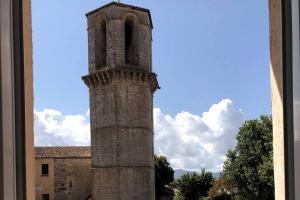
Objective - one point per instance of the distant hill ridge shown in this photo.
(179, 172)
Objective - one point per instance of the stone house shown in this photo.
(63, 173)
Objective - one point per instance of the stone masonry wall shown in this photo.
(115, 22)
(121, 105)
(44, 184)
(122, 140)
(72, 179)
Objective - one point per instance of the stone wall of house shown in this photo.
(72, 179)
(44, 184)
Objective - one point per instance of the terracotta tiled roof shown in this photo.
(63, 152)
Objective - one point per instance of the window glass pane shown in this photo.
(45, 196)
(297, 133)
(297, 128)
(45, 170)
(296, 94)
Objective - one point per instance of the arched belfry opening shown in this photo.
(130, 42)
(101, 47)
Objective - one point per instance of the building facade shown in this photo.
(63, 173)
(121, 86)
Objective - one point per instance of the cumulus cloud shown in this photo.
(189, 141)
(192, 141)
(52, 128)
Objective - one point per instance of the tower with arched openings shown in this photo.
(121, 86)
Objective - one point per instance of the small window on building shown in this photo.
(45, 197)
(45, 170)
(70, 184)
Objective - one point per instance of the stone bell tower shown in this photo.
(121, 85)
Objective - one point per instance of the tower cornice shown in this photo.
(108, 75)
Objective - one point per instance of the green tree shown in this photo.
(193, 186)
(178, 195)
(164, 175)
(221, 189)
(249, 167)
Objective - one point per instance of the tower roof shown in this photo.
(123, 6)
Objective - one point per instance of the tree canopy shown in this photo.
(164, 175)
(221, 189)
(193, 186)
(249, 167)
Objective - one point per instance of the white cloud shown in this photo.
(52, 128)
(193, 142)
(87, 113)
(189, 141)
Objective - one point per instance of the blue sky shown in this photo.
(203, 51)
(212, 61)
